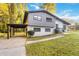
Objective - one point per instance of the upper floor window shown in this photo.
(39, 18)
(35, 17)
(48, 19)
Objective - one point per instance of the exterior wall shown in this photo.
(31, 21)
(42, 32)
(61, 24)
(43, 24)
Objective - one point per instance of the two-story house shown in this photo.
(44, 23)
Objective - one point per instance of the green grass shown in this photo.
(66, 46)
(2, 35)
(17, 34)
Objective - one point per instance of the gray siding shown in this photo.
(31, 21)
(61, 25)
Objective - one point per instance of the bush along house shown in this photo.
(44, 23)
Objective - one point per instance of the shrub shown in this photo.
(30, 33)
(56, 31)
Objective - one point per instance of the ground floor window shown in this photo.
(37, 29)
(47, 29)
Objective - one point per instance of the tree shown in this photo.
(11, 12)
(51, 7)
(4, 15)
(20, 12)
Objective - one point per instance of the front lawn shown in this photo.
(66, 46)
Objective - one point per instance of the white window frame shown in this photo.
(35, 17)
(38, 18)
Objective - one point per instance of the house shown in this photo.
(73, 27)
(44, 23)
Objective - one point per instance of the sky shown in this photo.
(63, 10)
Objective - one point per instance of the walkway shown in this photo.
(12, 47)
(16, 46)
(42, 40)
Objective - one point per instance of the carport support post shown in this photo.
(13, 31)
(26, 31)
(10, 32)
(7, 31)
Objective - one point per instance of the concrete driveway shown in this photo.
(12, 47)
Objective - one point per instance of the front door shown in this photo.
(56, 26)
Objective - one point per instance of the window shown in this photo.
(47, 30)
(37, 18)
(48, 19)
(37, 29)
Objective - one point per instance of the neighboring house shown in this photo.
(73, 27)
(44, 23)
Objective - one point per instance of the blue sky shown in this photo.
(63, 10)
(73, 8)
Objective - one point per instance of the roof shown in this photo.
(51, 15)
